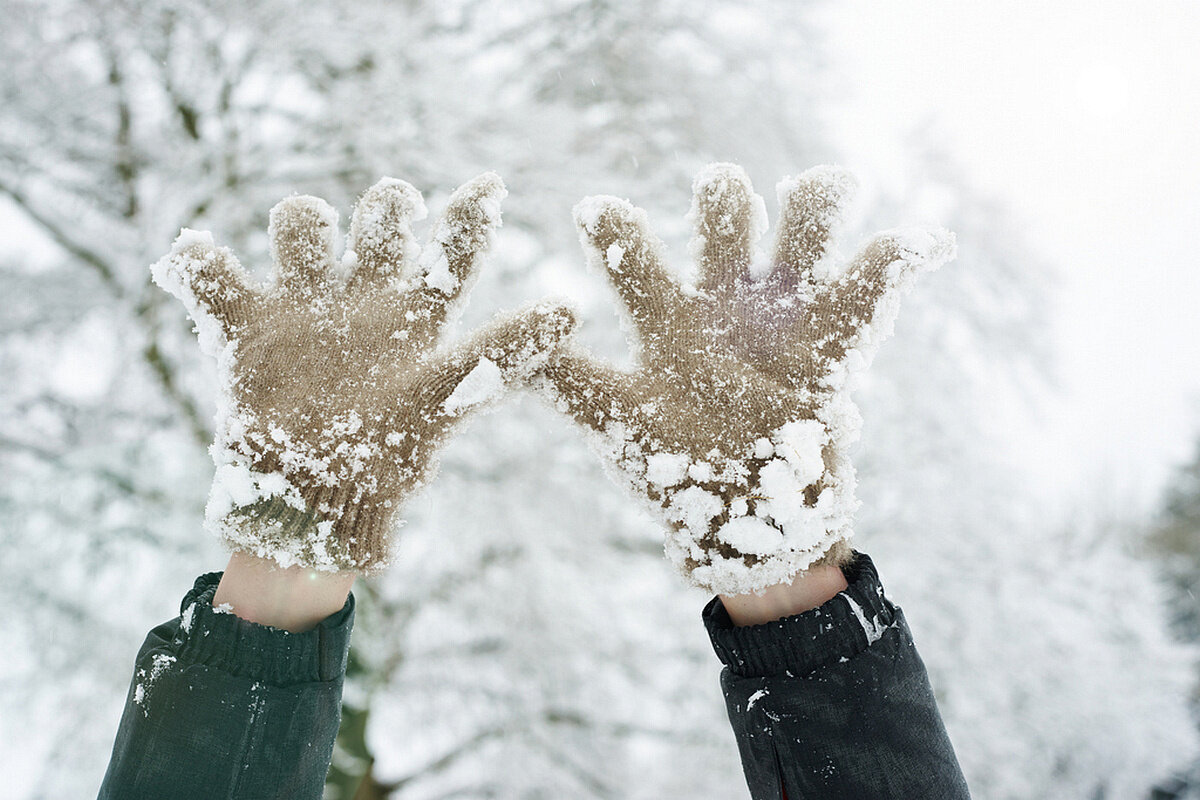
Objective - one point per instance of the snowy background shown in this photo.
(1024, 465)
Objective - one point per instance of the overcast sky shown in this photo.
(1086, 117)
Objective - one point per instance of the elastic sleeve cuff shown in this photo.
(276, 657)
(842, 627)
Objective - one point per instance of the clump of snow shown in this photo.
(801, 442)
(751, 535)
(694, 508)
(436, 269)
(187, 618)
(613, 256)
(236, 485)
(666, 469)
(873, 628)
(147, 679)
(482, 384)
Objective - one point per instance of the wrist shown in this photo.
(808, 590)
(294, 599)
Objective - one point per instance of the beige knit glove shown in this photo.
(335, 395)
(736, 423)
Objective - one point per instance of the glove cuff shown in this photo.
(354, 536)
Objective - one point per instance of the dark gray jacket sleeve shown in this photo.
(835, 702)
(224, 708)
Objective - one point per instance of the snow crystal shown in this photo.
(482, 384)
(763, 448)
(666, 469)
(754, 698)
(751, 535)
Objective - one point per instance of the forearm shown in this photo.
(808, 590)
(293, 599)
(835, 702)
(223, 707)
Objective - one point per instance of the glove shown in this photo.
(736, 423)
(335, 397)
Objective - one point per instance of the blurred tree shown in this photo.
(1175, 542)
(530, 641)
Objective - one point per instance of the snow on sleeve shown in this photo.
(482, 384)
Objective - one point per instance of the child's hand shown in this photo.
(336, 397)
(737, 421)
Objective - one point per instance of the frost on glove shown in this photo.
(737, 421)
(335, 396)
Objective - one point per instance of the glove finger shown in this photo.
(381, 239)
(596, 394)
(812, 206)
(616, 234)
(860, 306)
(209, 280)
(302, 232)
(451, 259)
(510, 348)
(729, 219)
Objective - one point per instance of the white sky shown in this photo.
(1085, 116)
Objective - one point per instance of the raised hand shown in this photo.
(736, 423)
(335, 394)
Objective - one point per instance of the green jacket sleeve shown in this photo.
(835, 703)
(223, 708)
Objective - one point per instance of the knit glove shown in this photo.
(335, 396)
(736, 422)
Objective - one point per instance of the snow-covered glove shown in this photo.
(335, 396)
(736, 423)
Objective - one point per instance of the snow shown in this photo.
(873, 628)
(751, 535)
(483, 384)
(436, 268)
(837, 185)
(695, 508)
(146, 680)
(720, 182)
(666, 469)
(613, 256)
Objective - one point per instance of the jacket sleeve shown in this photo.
(223, 708)
(835, 702)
